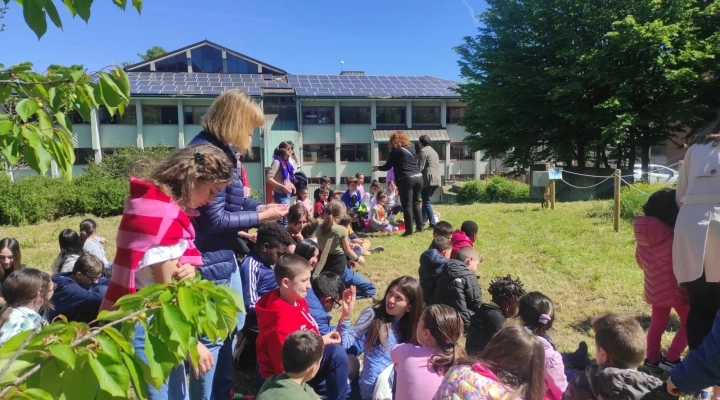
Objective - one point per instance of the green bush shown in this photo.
(631, 202)
(119, 163)
(496, 190)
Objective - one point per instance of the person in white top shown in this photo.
(92, 243)
(70, 249)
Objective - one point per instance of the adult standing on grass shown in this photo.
(696, 254)
(228, 125)
(282, 176)
(429, 164)
(403, 161)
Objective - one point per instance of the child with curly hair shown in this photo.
(505, 293)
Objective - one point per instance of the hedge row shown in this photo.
(632, 200)
(495, 190)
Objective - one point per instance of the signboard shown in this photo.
(555, 173)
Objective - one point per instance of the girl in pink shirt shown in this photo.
(420, 369)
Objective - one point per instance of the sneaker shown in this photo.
(650, 364)
(378, 249)
(667, 365)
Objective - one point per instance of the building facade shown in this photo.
(340, 124)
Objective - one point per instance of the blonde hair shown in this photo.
(231, 118)
(177, 175)
(334, 209)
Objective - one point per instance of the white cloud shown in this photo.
(472, 13)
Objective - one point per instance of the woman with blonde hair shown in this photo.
(403, 161)
(229, 125)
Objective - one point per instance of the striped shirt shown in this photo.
(257, 279)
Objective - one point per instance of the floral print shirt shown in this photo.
(465, 382)
(21, 319)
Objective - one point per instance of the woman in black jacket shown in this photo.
(403, 161)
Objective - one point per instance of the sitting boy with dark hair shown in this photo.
(352, 196)
(79, 293)
(458, 287)
(505, 293)
(301, 356)
(431, 263)
(444, 229)
(283, 311)
(464, 237)
(620, 343)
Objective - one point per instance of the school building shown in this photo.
(340, 124)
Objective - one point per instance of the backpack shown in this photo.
(301, 181)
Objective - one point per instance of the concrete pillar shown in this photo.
(373, 114)
(447, 161)
(188, 54)
(54, 171)
(443, 114)
(477, 156)
(374, 158)
(298, 108)
(95, 133)
(338, 142)
(139, 121)
(181, 124)
(408, 114)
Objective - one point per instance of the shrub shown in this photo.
(496, 190)
(631, 202)
(117, 164)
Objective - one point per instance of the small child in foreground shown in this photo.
(301, 355)
(620, 343)
(505, 293)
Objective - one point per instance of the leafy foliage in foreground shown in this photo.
(71, 360)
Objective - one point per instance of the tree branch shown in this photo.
(18, 351)
(87, 336)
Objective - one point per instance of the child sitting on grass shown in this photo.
(444, 229)
(458, 287)
(320, 203)
(464, 237)
(302, 198)
(78, 294)
(505, 294)
(301, 355)
(431, 264)
(620, 344)
(378, 217)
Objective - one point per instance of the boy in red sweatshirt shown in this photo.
(464, 237)
(283, 311)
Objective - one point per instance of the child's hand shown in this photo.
(205, 362)
(297, 236)
(103, 241)
(273, 212)
(331, 338)
(348, 302)
(672, 389)
(361, 260)
(184, 271)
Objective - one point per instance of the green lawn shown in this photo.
(578, 261)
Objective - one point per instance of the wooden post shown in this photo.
(552, 194)
(617, 201)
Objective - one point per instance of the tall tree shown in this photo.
(155, 51)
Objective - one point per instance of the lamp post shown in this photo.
(341, 65)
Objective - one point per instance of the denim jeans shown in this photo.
(217, 383)
(282, 198)
(427, 210)
(364, 287)
(176, 387)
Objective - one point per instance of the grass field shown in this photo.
(578, 261)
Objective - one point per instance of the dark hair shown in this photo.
(443, 228)
(321, 191)
(351, 213)
(309, 229)
(274, 235)
(289, 266)
(21, 287)
(14, 246)
(425, 140)
(468, 252)
(306, 248)
(622, 338)
(506, 288)
(470, 228)
(532, 308)
(328, 283)
(70, 244)
(345, 220)
(351, 179)
(359, 174)
(709, 134)
(333, 209)
(325, 179)
(88, 264)
(441, 243)
(295, 213)
(380, 325)
(301, 350)
(375, 184)
(662, 206)
(381, 195)
(446, 327)
(87, 228)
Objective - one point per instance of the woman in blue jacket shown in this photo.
(700, 369)
(229, 125)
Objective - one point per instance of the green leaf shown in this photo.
(53, 13)
(132, 301)
(26, 108)
(79, 382)
(36, 394)
(5, 127)
(82, 8)
(109, 91)
(120, 3)
(37, 156)
(178, 328)
(115, 315)
(138, 373)
(161, 360)
(10, 148)
(17, 368)
(77, 73)
(108, 377)
(69, 4)
(188, 300)
(121, 341)
(63, 353)
(54, 99)
(30, 133)
(137, 4)
(93, 92)
(122, 81)
(64, 121)
(46, 123)
(34, 14)
(50, 377)
(109, 348)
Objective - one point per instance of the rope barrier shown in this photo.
(596, 176)
(634, 188)
(588, 187)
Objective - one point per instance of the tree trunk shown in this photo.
(645, 157)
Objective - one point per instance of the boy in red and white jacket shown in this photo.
(283, 311)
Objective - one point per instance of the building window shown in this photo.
(354, 152)
(460, 151)
(164, 115)
(316, 181)
(355, 115)
(318, 115)
(454, 114)
(177, 63)
(391, 115)
(83, 156)
(658, 150)
(129, 117)
(426, 115)
(255, 158)
(75, 118)
(319, 153)
(237, 65)
(383, 151)
(439, 147)
(206, 59)
(192, 115)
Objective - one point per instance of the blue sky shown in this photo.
(380, 37)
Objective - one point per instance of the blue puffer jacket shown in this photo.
(219, 222)
(431, 263)
(700, 367)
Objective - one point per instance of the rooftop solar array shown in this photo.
(200, 84)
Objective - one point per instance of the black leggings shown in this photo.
(704, 304)
(410, 189)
